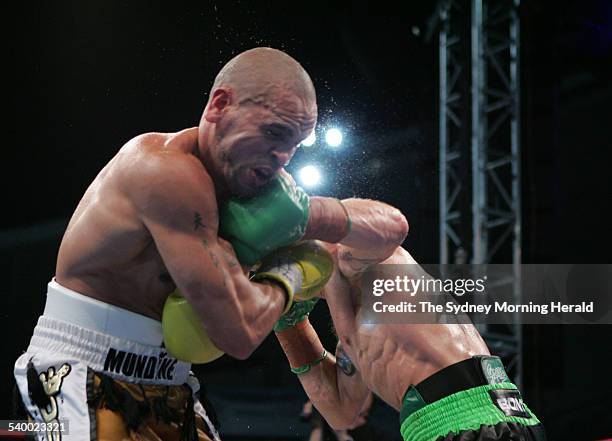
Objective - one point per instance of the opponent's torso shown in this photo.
(106, 252)
(390, 357)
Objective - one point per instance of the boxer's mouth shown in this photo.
(262, 175)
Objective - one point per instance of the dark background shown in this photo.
(85, 77)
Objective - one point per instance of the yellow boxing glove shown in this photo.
(302, 269)
(184, 335)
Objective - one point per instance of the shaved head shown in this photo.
(261, 106)
(257, 75)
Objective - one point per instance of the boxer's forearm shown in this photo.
(328, 220)
(333, 396)
(300, 343)
(261, 305)
(361, 224)
(337, 397)
(376, 227)
(240, 314)
(377, 230)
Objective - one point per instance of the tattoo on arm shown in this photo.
(230, 260)
(357, 264)
(214, 258)
(197, 221)
(344, 362)
(348, 256)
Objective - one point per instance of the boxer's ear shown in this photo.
(222, 98)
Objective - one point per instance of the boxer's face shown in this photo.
(256, 138)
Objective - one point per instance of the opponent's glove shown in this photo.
(184, 335)
(298, 312)
(280, 216)
(257, 226)
(302, 270)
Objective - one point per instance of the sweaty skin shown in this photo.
(148, 222)
(388, 357)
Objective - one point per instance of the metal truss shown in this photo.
(494, 147)
(454, 129)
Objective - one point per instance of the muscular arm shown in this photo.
(176, 201)
(377, 229)
(334, 386)
(368, 231)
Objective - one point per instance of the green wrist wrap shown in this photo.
(297, 313)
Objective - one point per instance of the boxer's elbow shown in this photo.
(246, 346)
(337, 416)
(237, 342)
(242, 352)
(339, 411)
(343, 419)
(397, 229)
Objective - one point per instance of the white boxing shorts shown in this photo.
(96, 371)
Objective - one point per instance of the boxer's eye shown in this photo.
(273, 134)
(276, 131)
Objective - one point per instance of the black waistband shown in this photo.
(477, 371)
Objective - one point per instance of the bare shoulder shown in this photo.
(161, 168)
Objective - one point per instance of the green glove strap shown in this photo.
(297, 313)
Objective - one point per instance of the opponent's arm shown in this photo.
(376, 230)
(285, 214)
(177, 204)
(332, 384)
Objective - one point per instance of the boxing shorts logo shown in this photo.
(493, 370)
(509, 401)
(140, 366)
(52, 381)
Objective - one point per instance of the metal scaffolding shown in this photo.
(454, 133)
(494, 149)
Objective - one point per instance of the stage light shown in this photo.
(333, 137)
(310, 176)
(310, 140)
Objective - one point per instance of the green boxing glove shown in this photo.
(257, 226)
(297, 313)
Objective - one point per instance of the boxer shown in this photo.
(147, 226)
(441, 377)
